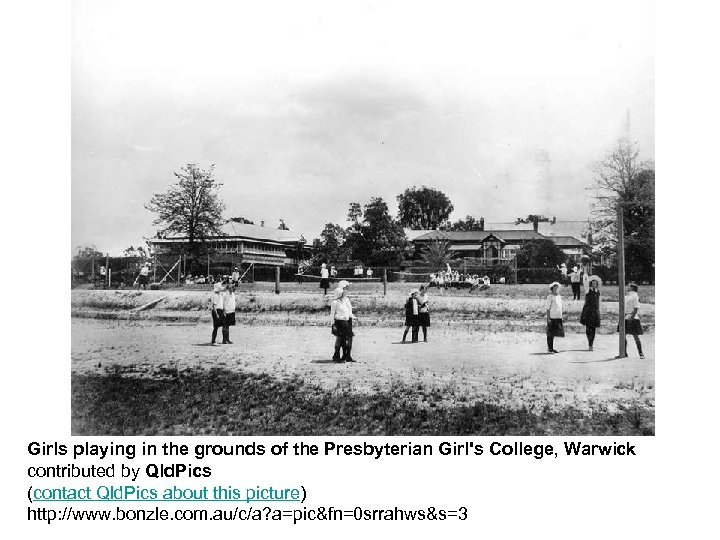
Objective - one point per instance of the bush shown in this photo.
(538, 275)
(502, 270)
(606, 273)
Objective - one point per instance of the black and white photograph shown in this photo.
(362, 219)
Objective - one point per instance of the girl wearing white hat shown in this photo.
(553, 307)
(590, 316)
(633, 327)
(216, 306)
(324, 277)
(341, 317)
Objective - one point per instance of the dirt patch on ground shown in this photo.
(458, 367)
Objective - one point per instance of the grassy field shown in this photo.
(523, 303)
(395, 289)
(217, 401)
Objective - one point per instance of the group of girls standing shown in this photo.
(417, 314)
(222, 306)
(590, 315)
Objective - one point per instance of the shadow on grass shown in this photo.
(596, 361)
(223, 402)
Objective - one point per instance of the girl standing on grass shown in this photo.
(424, 312)
(590, 316)
(632, 319)
(216, 305)
(228, 313)
(553, 308)
(412, 313)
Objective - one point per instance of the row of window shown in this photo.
(236, 247)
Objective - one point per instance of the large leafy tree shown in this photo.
(331, 246)
(469, 223)
(377, 239)
(190, 207)
(423, 208)
(88, 252)
(623, 180)
(135, 252)
(540, 253)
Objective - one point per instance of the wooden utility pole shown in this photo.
(621, 281)
(384, 281)
(277, 280)
(179, 268)
(107, 268)
(154, 267)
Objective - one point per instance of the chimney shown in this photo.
(482, 223)
(262, 222)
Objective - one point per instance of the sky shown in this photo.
(304, 107)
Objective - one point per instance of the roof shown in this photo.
(574, 228)
(567, 241)
(412, 234)
(506, 235)
(246, 230)
(233, 229)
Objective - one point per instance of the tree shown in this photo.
(437, 254)
(378, 239)
(624, 181)
(87, 259)
(423, 208)
(135, 252)
(190, 207)
(330, 247)
(468, 224)
(354, 214)
(540, 253)
(88, 252)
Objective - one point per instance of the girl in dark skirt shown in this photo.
(216, 305)
(590, 316)
(412, 316)
(228, 313)
(324, 278)
(554, 316)
(341, 317)
(633, 327)
(424, 312)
